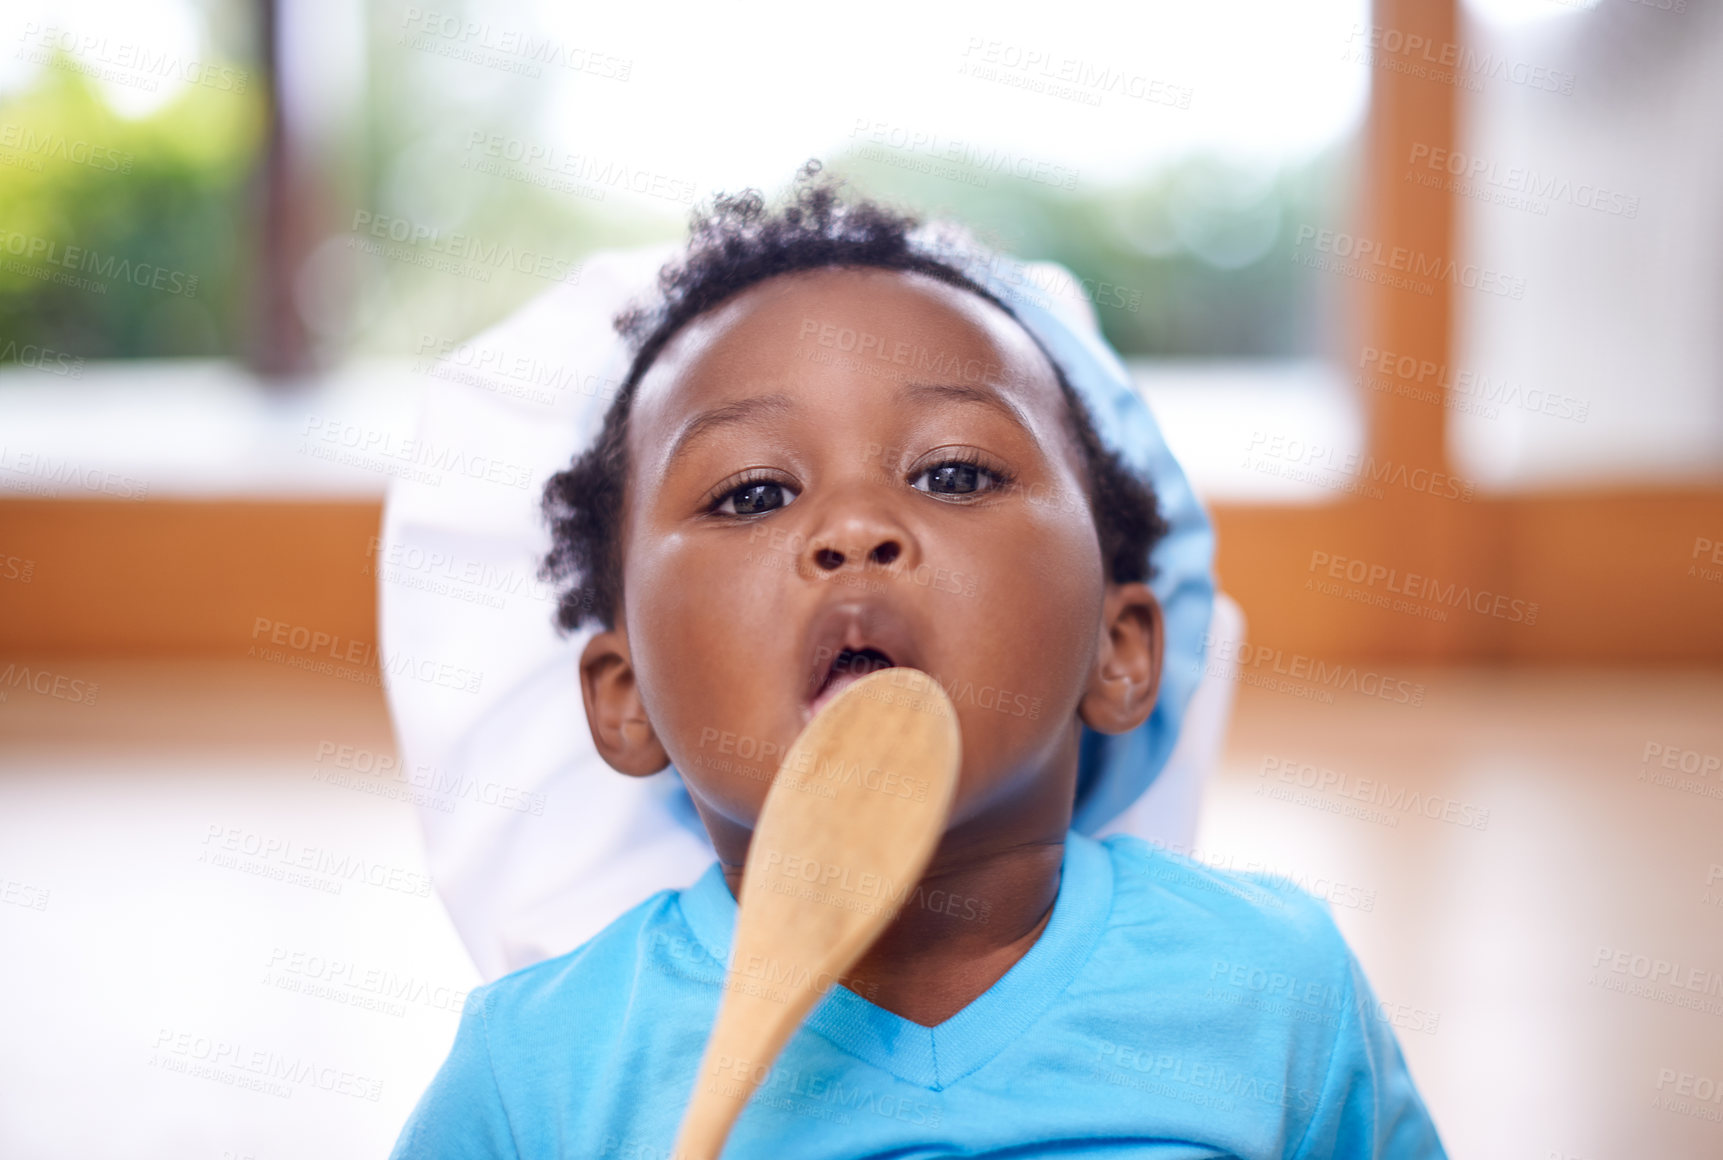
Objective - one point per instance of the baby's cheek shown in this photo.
(1005, 757)
(1020, 667)
(692, 609)
(1038, 610)
(704, 659)
(727, 741)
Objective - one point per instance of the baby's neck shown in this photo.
(986, 897)
(976, 911)
(967, 923)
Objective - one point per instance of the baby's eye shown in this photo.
(956, 478)
(752, 499)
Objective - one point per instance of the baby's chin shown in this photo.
(1011, 784)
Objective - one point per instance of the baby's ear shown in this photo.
(1127, 673)
(614, 712)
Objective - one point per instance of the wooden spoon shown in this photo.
(849, 824)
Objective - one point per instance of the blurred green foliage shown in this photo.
(105, 221)
(414, 160)
(1190, 260)
(1194, 260)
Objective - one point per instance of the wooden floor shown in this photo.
(1538, 906)
(1496, 945)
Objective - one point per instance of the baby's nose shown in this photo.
(882, 551)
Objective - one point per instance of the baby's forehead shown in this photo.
(875, 326)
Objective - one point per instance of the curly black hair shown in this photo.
(738, 244)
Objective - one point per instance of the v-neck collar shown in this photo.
(936, 1057)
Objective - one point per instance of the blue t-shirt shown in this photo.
(1167, 1010)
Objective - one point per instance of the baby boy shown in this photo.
(765, 517)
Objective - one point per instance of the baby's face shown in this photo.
(843, 469)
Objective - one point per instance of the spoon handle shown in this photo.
(750, 1032)
(846, 831)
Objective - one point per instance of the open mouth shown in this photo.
(848, 667)
(851, 638)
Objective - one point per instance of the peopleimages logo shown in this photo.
(838, 882)
(1340, 677)
(109, 267)
(1168, 1074)
(482, 254)
(47, 683)
(24, 140)
(45, 475)
(451, 34)
(1688, 1094)
(1066, 76)
(1420, 587)
(1368, 255)
(1377, 793)
(1474, 171)
(227, 1062)
(1364, 469)
(100, 55)
(991, 160)
(1450, 62)
(1665, 972)
(583, 174)
(1467, 389)
(41, 358)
